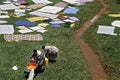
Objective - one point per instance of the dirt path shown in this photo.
(95, 68)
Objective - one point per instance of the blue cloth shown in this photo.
(71, 10)
(56, 25)
(23, 23)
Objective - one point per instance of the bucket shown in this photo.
(46, 62)
(31, 66)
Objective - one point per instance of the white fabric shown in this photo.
(8, 7)
(19, 10)
(51, 9)
(42, 1)
(6, 29)
(106, 30)
(116, 23)
(36, 28)
(31, 75)
(71, 1)
(3, 21)
(25, 31)
(4, 16)
(15, 67)
(47, 15)
(22, 27)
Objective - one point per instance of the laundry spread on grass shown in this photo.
(33, 19)
(35, 6)
(23, 23)
(71, 10)
(42, 1)
(47, 15)
(8, 7)
(21, 37)
(37, 16)
(114, 15)
(106, 30)
(25, 31)
(3, 21)
(51, 9)
(116, 23)
(61, 4)
(6, 29)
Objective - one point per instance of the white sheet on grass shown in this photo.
(3, 21)
(71, 1)
(25, 31)
(47, 15)
(68, 20)
(42, 1)
(116, 23)
(8, 7)
(51, 9)
(6, 29)
(37, 28)
(4, 16)
(106, 30)
(21, 27)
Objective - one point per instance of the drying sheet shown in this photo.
(35, 6)
(56, 25)
(21, 27)
(8, 7)
(23, 23)
(57, 22)
(71, 11)
(74, 18)
(116, 23)
(3, 21)
(42, 1)
(114, 15)
(43, 24)
(25, 31)
(20, 37)
(32, 19)
(47, 15)
(71, 1)
(37, 28)
(106, 30)
(6, 29)
(61, 4)
(51, 9)
(4, 16)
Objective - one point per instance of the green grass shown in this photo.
(70, 65)
(106, 46)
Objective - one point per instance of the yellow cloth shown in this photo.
(114, 15)
(72, 25)
(43, 24)
(32, 19)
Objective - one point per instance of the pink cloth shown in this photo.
(22, 2)
(61, 4)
